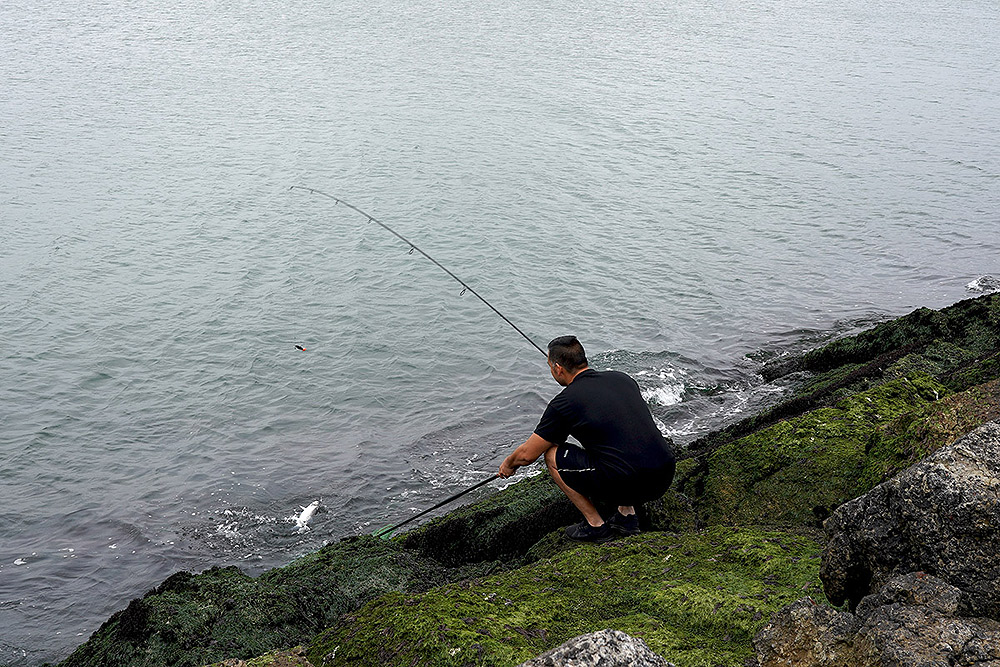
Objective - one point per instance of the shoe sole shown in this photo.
(622, 530)
(600, 540)
(626, 533)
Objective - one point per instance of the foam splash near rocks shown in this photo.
(688, 398)
(984, 284)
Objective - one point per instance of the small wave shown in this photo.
(984, 284)
(670, 394)
(233, 531)
(688, 398)
(663, 386)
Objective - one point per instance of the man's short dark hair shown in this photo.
(568, 353)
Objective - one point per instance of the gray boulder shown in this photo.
(914, 620)
(607, 648)
(940, 516)
(806, 633)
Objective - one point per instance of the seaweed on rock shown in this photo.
(919, 433)
(795, 472)
(697, 598)
(223, 613)
(957, 345)
(973, 324)
(503, 526)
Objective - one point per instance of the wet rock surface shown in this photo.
(940, 516)
(195, 619)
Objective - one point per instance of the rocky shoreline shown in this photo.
(852, 524)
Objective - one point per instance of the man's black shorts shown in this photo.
(583, 476)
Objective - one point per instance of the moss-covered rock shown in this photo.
(502, 526)
(973, 324)
(936, 359)
(797, 471)
(695, 598)
(957, 345)
(674, 512)
(295, 657)
(820, 390)
(223, 613)
(919, 433)
(981, 370)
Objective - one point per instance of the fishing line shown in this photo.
(413, 246)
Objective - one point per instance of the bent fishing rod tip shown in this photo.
(316, 192)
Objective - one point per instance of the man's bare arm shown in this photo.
(527, 453)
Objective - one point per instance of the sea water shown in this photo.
(689, 187)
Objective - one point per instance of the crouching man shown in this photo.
(624, 461)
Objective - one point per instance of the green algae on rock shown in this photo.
(973, 324)
(919, 433)
(958, 345)
(794, 472)
(223, 613)
(695, 598)
(674, 512)
(502, 526)
(795, 462)
(979, 371)
(295, 657)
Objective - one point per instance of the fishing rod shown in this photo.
(413, 246)
(384, 533)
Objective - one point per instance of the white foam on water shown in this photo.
(668, 386)
(984, 284)
(661, 426)
(665, 395)
(228, 530)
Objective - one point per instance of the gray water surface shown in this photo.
(687, 186)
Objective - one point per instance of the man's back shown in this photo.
(605, 411)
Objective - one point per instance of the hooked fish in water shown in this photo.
(303, 518)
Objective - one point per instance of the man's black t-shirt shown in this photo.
(605, 411)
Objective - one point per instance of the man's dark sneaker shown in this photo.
(584, 532)
(626, 525)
